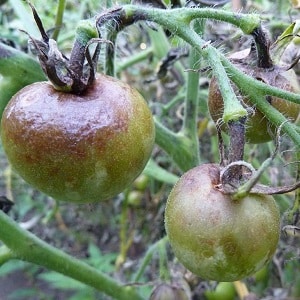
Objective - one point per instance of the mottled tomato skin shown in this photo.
(78, 148)
(215, 237)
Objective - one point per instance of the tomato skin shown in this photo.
(215, 237)
(75, 148)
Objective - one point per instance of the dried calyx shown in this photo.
(72, 74)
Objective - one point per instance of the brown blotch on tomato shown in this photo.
(78, 148)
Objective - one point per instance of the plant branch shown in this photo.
(59, 18)
(174, 18)
(177, 20)
(26, 246)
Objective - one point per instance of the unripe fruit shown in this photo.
(78, 148)
(214, 236)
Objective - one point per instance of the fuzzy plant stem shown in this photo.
(178, 22)
(85, 31)
(26, 246)
(257, 91)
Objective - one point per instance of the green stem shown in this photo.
(244, 82)
(130, 61)
(26, 246)
(59, 18)
(177, 145)
(257, 92)
(164, 273)
(155, 171)
(173, 19)
(191, 103)
(233, 109)
(148, 256)
(178, 21)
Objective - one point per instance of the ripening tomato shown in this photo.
(214, 236)
(78, 148)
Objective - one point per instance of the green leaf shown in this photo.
(284, 40)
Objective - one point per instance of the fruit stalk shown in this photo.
(262, 46)
(233, 109)
(236, 131)
(26, 246)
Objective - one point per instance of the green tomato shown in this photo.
(223, 291)
(141, 182)
(214, 236)
(78, 148)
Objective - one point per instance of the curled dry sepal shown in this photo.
(72, 74)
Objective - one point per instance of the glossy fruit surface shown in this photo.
(258, 129)
(75, 148)
(215, 237)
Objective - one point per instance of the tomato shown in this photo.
(223, 291)
(78, 148)
(214, 236)
(258, 128)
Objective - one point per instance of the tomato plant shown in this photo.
(87, 134)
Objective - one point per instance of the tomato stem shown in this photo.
(26, 246)
(263, 48)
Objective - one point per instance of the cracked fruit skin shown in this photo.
(78, 148)
(215, 237)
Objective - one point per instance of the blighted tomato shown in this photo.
(78, 148)
(215, 237)
(258, 128)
